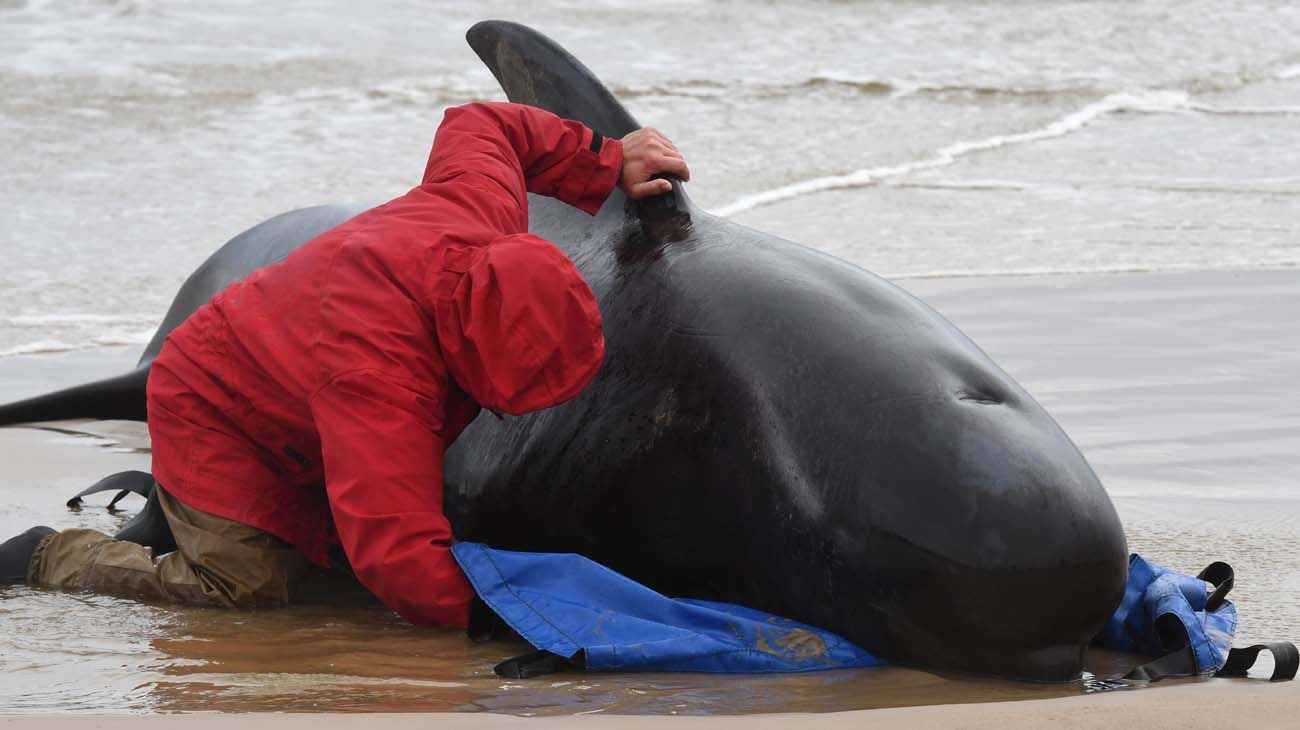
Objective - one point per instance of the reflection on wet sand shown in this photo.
(360, 657)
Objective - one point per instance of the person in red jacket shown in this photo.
(308, 406)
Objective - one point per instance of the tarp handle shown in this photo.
(1220, 575)
(1182, 661)
(1286, 660)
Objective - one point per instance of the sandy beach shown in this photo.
(1222, 705)
(1177, 386)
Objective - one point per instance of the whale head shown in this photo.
(796, 434)
(779, 428)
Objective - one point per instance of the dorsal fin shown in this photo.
(535, 70)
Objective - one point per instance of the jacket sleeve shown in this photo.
(383, 476)
(509, 149)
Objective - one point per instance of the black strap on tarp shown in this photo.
(1181, 659)
(1181, 663)
(486, 625)
(1286, 660)
(539, 663)
(1220, 575)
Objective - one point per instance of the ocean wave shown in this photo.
(41, 347)
(125, 337)
(1246, 111)
(975, 184)
(75, 318)
(1138, 101)
(1286, 186)
(47, 347)
(900, 88)
(1081, 83)
(81, 332)
(1086, 270)
(869, 86)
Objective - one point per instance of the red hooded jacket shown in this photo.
(314, 399)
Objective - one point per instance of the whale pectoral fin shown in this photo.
(126, 482)
(533, 69)
(112, 503)
(149, 528)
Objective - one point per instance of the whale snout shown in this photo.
(994, 549)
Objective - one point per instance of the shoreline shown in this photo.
(38, 349)
(1219, 704)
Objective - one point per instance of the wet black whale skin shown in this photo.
(772, 426)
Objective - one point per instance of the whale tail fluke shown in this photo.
(121, 397)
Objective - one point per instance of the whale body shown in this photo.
(772, 426)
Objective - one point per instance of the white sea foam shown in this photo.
(1290, 72)
(111, 338)
(79, 318)
(1139, 101)
(70, 331)
(40, 347)
(124, 337)
(1086, 270)
(1283, 185)
(1246, 111)
(974, 184)
(868, 85)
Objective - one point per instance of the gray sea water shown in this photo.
(910, 138)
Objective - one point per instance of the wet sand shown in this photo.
(1190, 706)
(1178, 387)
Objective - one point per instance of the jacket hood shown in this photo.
(518, 326)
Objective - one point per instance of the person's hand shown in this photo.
(647, 153)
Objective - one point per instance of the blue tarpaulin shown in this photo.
(1155, 592)
(569, 605)
(565, 604)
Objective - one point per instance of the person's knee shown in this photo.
(282, 571)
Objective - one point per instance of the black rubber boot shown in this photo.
(16, 554)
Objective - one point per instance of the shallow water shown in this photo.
(339, 651)
(909, 138)
(65, 652)
(128, 657)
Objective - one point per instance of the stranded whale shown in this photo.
(772, 426)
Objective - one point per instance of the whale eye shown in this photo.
(984, 397)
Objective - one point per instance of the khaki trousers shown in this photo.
(217, 562)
